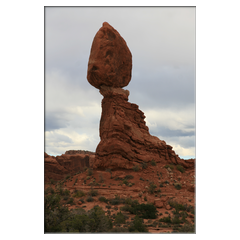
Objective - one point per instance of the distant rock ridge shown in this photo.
(125, 138)
(57, 167)
(71, 152)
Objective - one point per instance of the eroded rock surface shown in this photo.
(125, 139)
(58, 167)
(110, 61)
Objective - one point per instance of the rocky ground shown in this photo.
(159, 184)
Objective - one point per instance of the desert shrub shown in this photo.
(117, 200)
(119, 229)
(108, 206)
(180, 168)
(153, 163)
(176, 220)
(52, 181)
(186, 228)
(88, 177)
(141, 179)
(78, 193)
(101, 180)
(92, 221)
(145, 198)
(89, 199)
(169, 166)
(120, 218)
(125, 181)
(165, 219)
(70, 201)
(152, 187)
(103, 199)
(178, 186)
(93, 192)
(144, 165)
(65, 198)
(146, 211)
(67, 177)
(49, 190)
(125, 208)
(129, 177)
(137, 225)
(54, 213)
(89, 172)
(82, 200)
(161, 185)
(135, 168)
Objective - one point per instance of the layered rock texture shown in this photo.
(58, 167)
(125, 139)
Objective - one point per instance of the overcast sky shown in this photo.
(162, 43)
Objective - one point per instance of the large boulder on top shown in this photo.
(110, 61)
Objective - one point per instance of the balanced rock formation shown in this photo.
(125, 139)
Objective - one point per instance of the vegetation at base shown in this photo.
(89, 172)
(171, 166)
(120, 218)
(136, 168)
(117, 200)
(180, 168)
(153, 163)
(152, 187)
(178, 186)
(103, 199)
(93, 192)
(145, 211)
(137, 225)
(144, 165)
(78, 193)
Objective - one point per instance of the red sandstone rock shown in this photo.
(158, 203)
(57, 167)
(110, 61)
(125, 139)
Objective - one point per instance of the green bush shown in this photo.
(144, 165)
(49, 190)
(152, 187)
(136, 168)
(70, 201)
(137, 225)
(119, 229)
(54, 213)
(178, 186)
(89, 172)
(78, 193)
(165, 219)
(117, 200)
(180, 168)
(93, 192)
(103, 199)
(141, 179)
(89, 199)
(120, 218)
(187, 228)
(169, 166)
(67, 177)
(125, 181)
(146, 211)
(129, 177)
(153, 163)
(101, 180)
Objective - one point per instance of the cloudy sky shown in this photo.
(162, 43)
